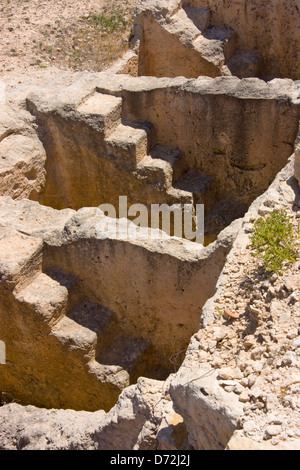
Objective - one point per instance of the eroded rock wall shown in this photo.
(244, 129)
(268, 27)
(22, 170)
(73, 296)
(95, 158)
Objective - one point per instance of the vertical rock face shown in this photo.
(22, 156)
(297, 158)
(2, 353)
(211, 414)
(260, 36)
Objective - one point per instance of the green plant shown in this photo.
(219, 311)
(110, 23)
(273, 240)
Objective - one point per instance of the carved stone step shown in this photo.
(46, 297)
(76, 338)
(128, 353)
(70, 282)
(172, 156)
(97, 319)
(107, 109)
(155, 172)
(161, 167)
(20, 258)
(127, 144)
(145, 126)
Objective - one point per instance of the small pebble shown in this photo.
(244, 397)
(272, 430)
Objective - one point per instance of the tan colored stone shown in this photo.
(268, 27)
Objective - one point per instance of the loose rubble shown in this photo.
(254, 341)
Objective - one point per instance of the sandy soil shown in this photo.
(39, 35)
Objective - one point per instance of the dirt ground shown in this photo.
(39, 35)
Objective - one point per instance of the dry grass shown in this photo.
(86, 44)
(81, 35)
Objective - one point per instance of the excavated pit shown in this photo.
(103, 310)
(85, 312)
(215, 37)
(128, 139)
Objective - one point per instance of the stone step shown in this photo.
(155, 172)
(179, 196)
(147, 127)
(161, 167)
(127, 144)
(46, 297)
(96, 318)
(20, 258)
(76, 338)
(70, 282)
(172, 156)
(128, 353)
(200, 185)
(107, 109)
(110, 374)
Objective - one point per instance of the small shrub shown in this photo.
(273, 240)
(110, 23)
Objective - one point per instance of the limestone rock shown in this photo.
(297, 159)
(210, 414)
(138, 411)
(240, 442)
(172, 432)
(22, 157)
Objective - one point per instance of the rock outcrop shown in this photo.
(131, 424)
(22, 171)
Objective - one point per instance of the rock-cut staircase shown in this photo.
(131, 145)
(72, 338)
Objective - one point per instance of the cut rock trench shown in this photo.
(106, 141)
(86, 312)
(85, 305)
